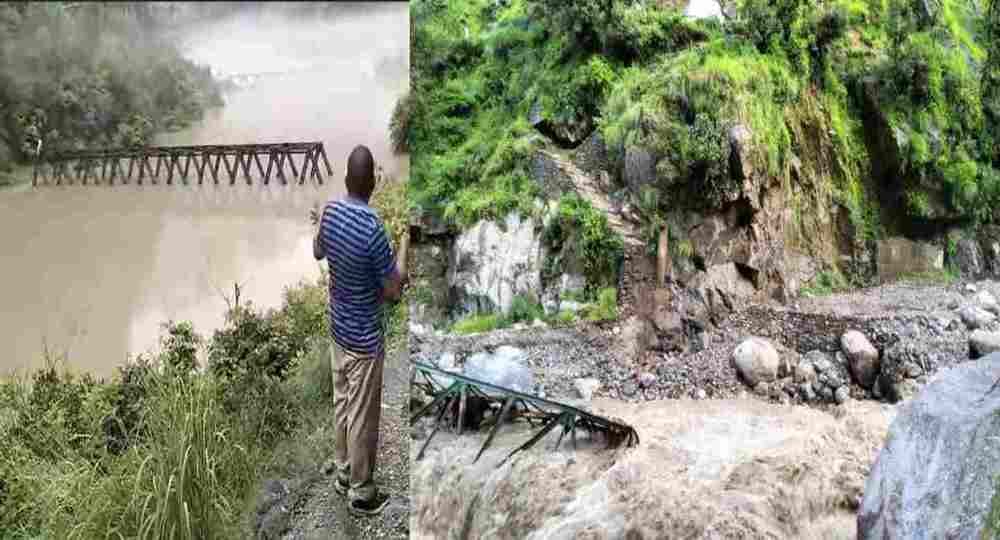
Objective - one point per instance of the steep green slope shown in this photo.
(91, 74)
(876, 104)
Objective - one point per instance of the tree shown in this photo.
(990, 85)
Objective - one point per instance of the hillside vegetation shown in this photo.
(890, 106)
(91, 75)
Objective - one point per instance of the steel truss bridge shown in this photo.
(215, 164)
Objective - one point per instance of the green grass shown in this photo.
(606, 307)
(934, 277)
(825, 283)
(160, 451)
(18, 175)
(475, 324)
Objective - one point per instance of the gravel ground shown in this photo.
(322, 513)
(921, 317)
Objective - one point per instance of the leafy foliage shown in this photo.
(601, 248)
(606, 308)
(94, 76)
(158, 451)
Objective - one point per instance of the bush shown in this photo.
(477, 323)
(92, 77)
(524, 309)
(606, 308)
(825, 283)
(180, 347)
(160, 451)
(601, 247)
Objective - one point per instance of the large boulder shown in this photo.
(982, 343)
(506, 367)
(491, 264)
(757, 360)
(976, 317)
(936, 475)
(989, 239)
(862, 357)
(969, 258)
(639, 168)
(899, 256)
(723, 288)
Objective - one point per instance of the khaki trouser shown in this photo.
(357, 409)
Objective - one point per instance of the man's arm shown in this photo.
(392, 273)
(319, 251)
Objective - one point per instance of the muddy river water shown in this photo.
(93, 272)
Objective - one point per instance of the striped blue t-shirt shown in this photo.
(360, 260)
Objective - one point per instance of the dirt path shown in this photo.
(321, 513)
(704, 469)
(587, 187)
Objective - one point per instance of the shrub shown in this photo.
(180, 347)
(606, 308)
(601, 247)
(825, 283)
(477, 323)
(524, 309)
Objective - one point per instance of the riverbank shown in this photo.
(776, 461)
(165, 450)
(168, 448)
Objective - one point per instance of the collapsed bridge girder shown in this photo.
(105, 166)
(512, 405)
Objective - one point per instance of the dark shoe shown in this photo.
(370, 507)
(341, 487)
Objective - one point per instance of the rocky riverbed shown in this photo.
(917, 328)
(721, 455)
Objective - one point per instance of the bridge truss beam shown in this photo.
(185, 163)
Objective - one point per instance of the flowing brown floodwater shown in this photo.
(94, 271)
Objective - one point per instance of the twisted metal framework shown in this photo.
(511, 404)
(167, 162)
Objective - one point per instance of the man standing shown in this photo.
(363, 275)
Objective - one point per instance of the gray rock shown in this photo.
(912, 370)
(723, 287)
(976, 317)
(629, 389)
(842, 394)
(987, 301)
(639, 168)
(820, 361)
(637, 336)
(756, 360)
(493, 263)
(905, 389)
(807, 392)
(507, 367)
(877, 388)
(898, 256)
(936, 474)
(825, 392)
(982, 343)
(805, 372)
(646, 379)
(969, 258)
(586, 387)
(970, 288)
(448, 362)
(862, 357)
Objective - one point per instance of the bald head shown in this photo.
(360, 179)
